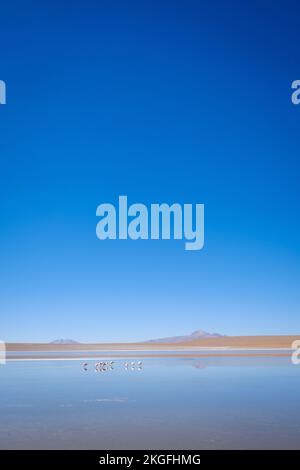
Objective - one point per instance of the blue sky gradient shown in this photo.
(183, 102)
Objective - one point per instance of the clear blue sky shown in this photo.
(165, 102)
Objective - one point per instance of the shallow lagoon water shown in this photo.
(171, 403)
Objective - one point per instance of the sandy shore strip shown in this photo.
(91, 356)
(236, 343)
(226, 346)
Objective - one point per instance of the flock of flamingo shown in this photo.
(109, 365)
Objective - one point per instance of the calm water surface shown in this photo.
(171, 403)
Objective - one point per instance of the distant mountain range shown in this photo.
(64, 341)
(198, 334)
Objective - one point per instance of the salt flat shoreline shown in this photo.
(265, 353)
(207, 347)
